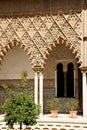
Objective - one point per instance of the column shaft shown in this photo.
(36, 88)
(41, 91)
(84, 94)
(65, 85)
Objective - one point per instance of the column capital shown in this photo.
(38, 69)
(83, 69)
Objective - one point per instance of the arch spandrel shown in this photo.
(38, 34)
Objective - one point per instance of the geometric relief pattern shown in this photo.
(38, 34)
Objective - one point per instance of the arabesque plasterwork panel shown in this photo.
(38, 34)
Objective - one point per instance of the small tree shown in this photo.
(20, 107)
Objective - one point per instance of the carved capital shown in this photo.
(83, 69)
(38, 69)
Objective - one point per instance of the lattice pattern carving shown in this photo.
(38, 34)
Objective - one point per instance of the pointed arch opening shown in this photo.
(14, 63)
(10, 45)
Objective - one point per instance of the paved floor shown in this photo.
(62, 118)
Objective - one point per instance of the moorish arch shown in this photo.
(60, 57)
(31, 55)
(39, 28)
(70, 46)
(10, 45)
(38, 35)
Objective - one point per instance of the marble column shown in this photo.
(84, 86)
(36, 88)
(41, 91)
(65, 83)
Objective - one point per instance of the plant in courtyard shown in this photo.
(72, 106)
(20, 108)
(54, 106)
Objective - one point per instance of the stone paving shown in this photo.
(44, 119)
(63, 118)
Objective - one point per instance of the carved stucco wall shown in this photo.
(84, 34)
(38, 34)
(37, 27)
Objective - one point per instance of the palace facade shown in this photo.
(47, 39)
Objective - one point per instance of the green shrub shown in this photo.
(19, 106)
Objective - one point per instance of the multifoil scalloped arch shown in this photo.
(31, 55)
